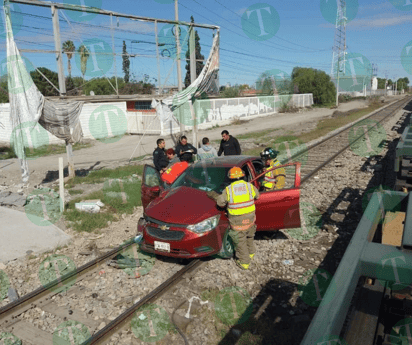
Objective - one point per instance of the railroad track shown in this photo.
(318, 156)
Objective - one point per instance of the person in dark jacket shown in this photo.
(229, 145)
(160, 159)
(185, 151)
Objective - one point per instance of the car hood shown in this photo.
(182, 205)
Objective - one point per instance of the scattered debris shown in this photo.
(12, 199)
(90, 206)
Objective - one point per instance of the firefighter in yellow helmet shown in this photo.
(271, 181)
(240, 197)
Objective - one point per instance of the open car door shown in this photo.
(279, 208)
(151, 185)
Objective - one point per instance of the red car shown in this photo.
(181, 221)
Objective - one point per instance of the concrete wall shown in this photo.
(102, 120)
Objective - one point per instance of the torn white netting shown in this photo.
(26, 101)
(202, 84)
(29, 107)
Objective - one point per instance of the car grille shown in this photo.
(171, 235)
(150, 248)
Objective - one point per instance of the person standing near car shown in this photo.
(272, 180)
(229, 145)
(185, 151)
(160, 160)
(206, 151)
(171, 156)
(240, 197)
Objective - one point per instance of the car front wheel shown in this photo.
(227, 250)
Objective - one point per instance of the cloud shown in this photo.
(381, 22)
(375, 7)
(241, 11)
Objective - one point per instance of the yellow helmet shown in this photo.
(235, 172)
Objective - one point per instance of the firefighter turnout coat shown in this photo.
(270, 182)
(240, 197)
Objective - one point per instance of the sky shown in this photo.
(255, 37)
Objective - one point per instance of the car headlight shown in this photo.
(205, 226)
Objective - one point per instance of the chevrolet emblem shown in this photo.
(164, 227)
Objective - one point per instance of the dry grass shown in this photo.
(237, 121)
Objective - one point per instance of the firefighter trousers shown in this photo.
(244, 243)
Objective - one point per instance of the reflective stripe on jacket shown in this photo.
(270, 180)
(240, 197)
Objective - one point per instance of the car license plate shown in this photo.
(162, 246)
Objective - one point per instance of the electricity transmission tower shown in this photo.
(339, 44)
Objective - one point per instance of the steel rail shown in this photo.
(121, 321)
(323, 164)
(15, 308)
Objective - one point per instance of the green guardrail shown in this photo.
(404, 147)
(364, 258)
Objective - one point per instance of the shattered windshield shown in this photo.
(204, 178)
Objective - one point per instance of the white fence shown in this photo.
(102, 120)
(379, 92)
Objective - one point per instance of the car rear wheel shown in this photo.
(227, 250)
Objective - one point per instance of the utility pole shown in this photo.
(192, 47)
(179, 70)
(58, 47)
(62, 82)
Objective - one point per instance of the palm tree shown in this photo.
(69, 48)
(84, 55)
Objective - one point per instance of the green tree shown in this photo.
(310, 80)
(84, 56)
(42, 84)
(4, 93)
(101, 86)
(199, 57)
(126, 63)
(381, 83)
(231, 92)
(69, 49)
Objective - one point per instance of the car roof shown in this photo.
(226, 161)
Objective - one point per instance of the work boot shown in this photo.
(242, 266)
(251, 256)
